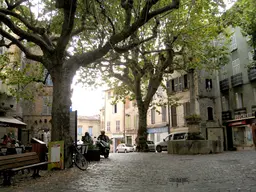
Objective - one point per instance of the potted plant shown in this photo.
(193, 119)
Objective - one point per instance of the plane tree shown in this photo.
(184, 41)
(70, 34)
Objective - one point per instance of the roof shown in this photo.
(11, 122)
(95, 118)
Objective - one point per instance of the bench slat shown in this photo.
(19, 164)
(29, 166)
(20, 159)
(2, 158)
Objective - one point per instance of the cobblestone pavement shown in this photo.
(153, 172)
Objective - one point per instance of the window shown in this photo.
(239, 100)
(210, 113)
(233, 45)
(79, 131)
(117, 126)
(208, 84)
(115, 108)
(254, 94)
(236, 66)
(109, 95)
(90, 130)
(108, 126)
(136, 122)
(173, 85)
(153, 116)
(174, 116)
(48, 81)
(179, 136)
(186, 108)
(224, 72)
(225, 104)
(180, 83)
(47, 105)
(163, 113)
(176, 83)
(185, 77)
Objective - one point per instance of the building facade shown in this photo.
(237, 82)
(88, 124)
(10, 110)
(114, 119)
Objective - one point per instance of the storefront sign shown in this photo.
(246, 115)
(237, 123)
(158, 130)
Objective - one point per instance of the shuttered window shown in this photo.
(174, 116)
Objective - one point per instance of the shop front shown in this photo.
(157, 134)
(11, 126)
(239, 132)
(116, 140)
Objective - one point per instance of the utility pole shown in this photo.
(168, 106)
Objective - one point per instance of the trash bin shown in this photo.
(40, 148)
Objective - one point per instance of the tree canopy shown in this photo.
(243, 14)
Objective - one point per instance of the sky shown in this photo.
(89, 102)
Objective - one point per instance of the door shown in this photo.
(239, 136)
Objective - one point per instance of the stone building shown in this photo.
(90, 124)
(237, 81)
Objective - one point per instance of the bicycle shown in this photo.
(79, 159)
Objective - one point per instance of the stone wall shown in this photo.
(193, 147)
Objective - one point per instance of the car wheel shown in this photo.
(117, 151)
(159, 149)
(125, 151)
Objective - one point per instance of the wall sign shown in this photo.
(237, 123)
(246, 115)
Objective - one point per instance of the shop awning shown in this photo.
(11, 122)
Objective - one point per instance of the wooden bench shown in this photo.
(11, 164)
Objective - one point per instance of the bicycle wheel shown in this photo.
(81, 162)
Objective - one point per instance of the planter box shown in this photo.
(92, 155)
(193, 147)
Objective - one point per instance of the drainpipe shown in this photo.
(124, 124)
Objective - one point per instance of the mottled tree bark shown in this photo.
(62, 80)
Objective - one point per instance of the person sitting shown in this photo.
(6, 140)
(103, 137)
(87, 139)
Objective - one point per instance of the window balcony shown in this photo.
(226, 115)
(252, 74)
(237, 80)
(240, 111)
(224, 84)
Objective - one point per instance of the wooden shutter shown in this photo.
(174, 116)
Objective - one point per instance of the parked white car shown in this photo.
(162, 146)
(151, 146)
(124, 148)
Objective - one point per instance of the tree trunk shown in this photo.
(142, 131)
(62, 79)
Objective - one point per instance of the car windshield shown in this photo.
(150, 142)
(128, 145)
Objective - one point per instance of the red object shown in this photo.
(237, 123)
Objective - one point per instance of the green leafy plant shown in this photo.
(193, 119)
